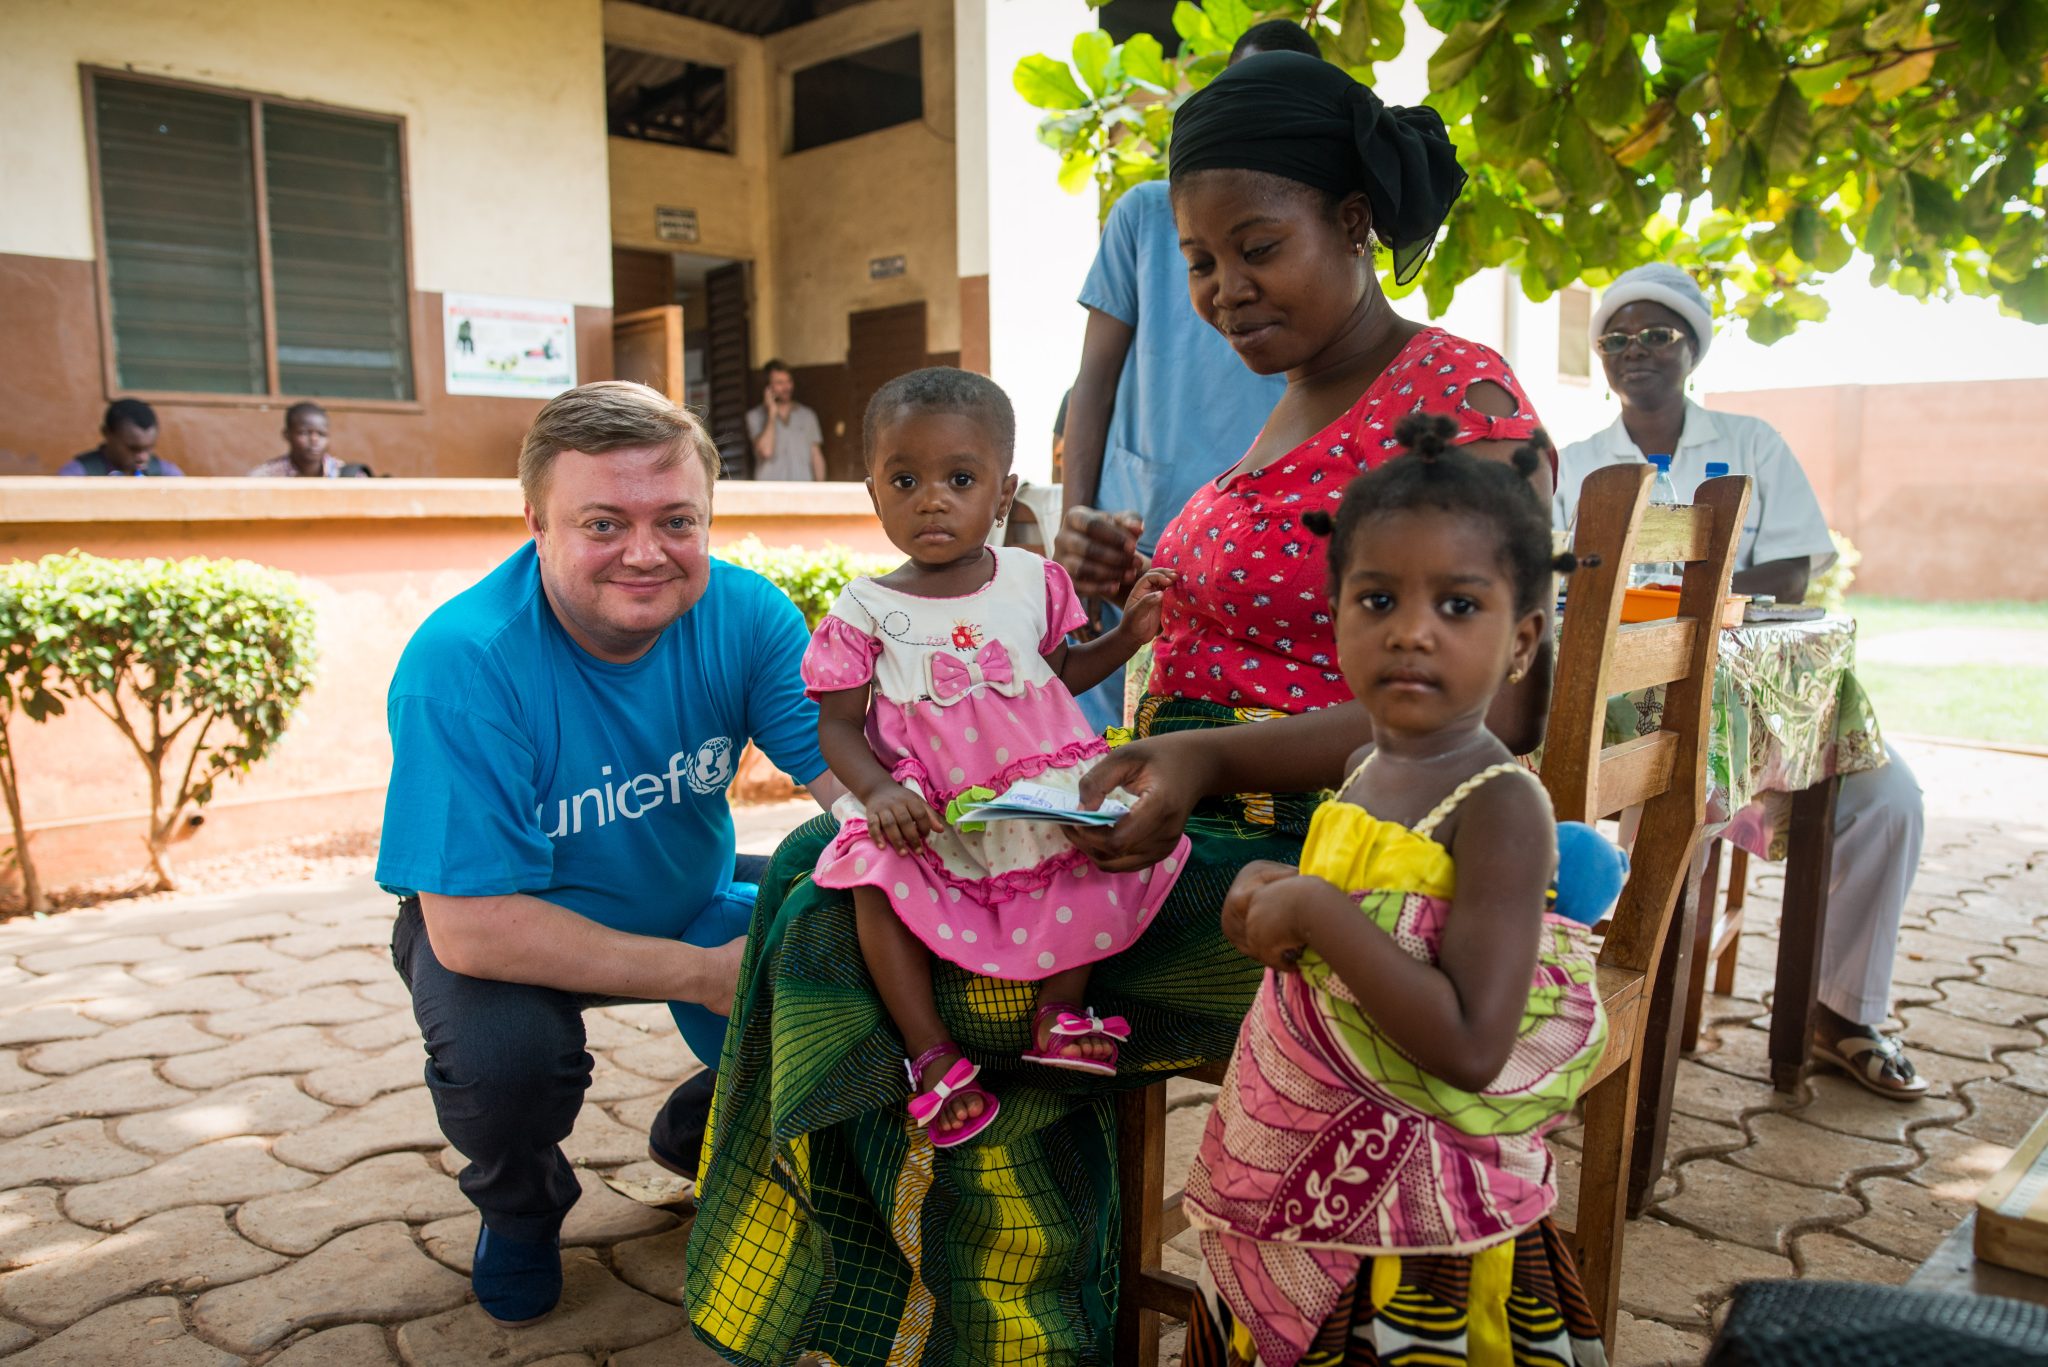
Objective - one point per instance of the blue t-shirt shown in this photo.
(1186, 408)
(522, 763)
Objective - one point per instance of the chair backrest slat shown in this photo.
(1674, 532)
(1634, 772)
(1650, 653)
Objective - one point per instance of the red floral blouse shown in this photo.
(1248, 622)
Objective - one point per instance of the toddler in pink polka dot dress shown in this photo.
(952, 676)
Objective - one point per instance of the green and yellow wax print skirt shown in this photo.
(829, 1225)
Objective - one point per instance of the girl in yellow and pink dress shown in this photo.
(951, 678)
(1373, 1185)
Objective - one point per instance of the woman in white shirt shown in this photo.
(1653, 327)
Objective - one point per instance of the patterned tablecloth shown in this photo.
(1788, 712)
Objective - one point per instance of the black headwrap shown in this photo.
(1302, 118)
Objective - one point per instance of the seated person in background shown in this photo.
(1651, 330)
(305, 439)
(355, 469)
(127, 444)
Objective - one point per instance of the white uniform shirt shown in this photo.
(1784, 519)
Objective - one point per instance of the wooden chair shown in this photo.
(1150, 1220)
(1664, 773)
(1717, 933)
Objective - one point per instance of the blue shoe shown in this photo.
(516, 1283)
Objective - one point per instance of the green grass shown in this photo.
(1968, 701)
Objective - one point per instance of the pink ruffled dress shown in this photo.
(963, 698)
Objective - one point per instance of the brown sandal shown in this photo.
(1877, 1062)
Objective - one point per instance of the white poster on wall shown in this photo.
(508, 348)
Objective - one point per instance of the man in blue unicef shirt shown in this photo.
(562, 736)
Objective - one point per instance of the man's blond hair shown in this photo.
(611, 415)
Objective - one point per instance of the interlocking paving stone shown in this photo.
(113, 1089)
(246, 956)
(400, 1120)
(684, 1349)
(352, 1345)
(393, 1186)
(1742, 1050)
(48, 1023)
(2000, 1114)
(1938, 1032)
(2029, 1071)
(378, 1032)
(1648, 1343)
(609, 1083)
(656, 1264)
(603, 1030)
(1958, 1165)
(1916, 971)
(333, 1005)
(1992, 1005)
(600, 1216)
(1830, 1257)
(145, 1332)
(215, 992)
(1746, 1207)
(1839, 1104)
(567, 1360)
(14, 1077)
(294, 1049)
(235, 929)
(363, 1079)
(126, 949)
(311, 944)
(1946, 1074)
(182, 1250)
(649, 1018)
(302, 975)
(1989, 932)
(158, 1038)
(1674, 1275)
(386, 992)
(33, 1228)
(637, 1114)
(598, 1314)
(1923, 945)
(599, 1141)
(664, 1057)
(76, 1152)
(452, 1242)
(1690, 1137)
(375, 1273)
(258, 1105)
(1905, 1219)
(221, 1173)
(71, 985)
(1714, 1095)
(1788, 1148)
(13, 1336)
(375, 905)
(2016, 975)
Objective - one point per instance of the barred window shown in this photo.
(251, 246)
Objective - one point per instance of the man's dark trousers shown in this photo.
(507, 1068)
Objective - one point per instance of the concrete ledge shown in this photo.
(49, 500)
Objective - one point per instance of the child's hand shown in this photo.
(1252, 879)
(1142, 608)
(901, 819)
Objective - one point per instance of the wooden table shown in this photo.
(1954, 1269)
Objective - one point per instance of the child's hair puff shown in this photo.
(1435, 474)
(943, 389)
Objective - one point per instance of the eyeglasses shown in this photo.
(1657, 338)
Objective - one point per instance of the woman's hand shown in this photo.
(1142, 609)
(901, 819)
(1269, 909)
(1166, 778)
(1099, 551)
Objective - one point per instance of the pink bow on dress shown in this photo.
(953, 678)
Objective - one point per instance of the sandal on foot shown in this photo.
(1875, 1061)
(925, 1106)
(1068, 1029)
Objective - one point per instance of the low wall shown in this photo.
(376, 556)
(1943, 487)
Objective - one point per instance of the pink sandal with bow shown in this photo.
(1070, 1026)
(958, 1081)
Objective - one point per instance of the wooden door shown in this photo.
(642, 280)
(727, 354)
(880, 345)
(647, 347)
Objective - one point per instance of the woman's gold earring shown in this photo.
(1358, 249)
(1515, 676)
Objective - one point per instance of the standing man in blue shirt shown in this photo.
(1161, 402)
(562, 737)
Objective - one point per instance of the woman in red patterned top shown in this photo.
(1288, 177)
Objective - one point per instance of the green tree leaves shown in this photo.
(1913, 130)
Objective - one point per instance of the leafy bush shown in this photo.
(199, 664)
(1830, 588)
(25, 683)
(812, 579)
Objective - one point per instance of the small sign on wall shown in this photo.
(675, 225)
(508, 348)
(885, 267)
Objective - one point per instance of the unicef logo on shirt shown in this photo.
(711, 768)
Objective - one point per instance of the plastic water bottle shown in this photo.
(1716, 469)
(1662, 573)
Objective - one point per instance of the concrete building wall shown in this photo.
(503, 106)
(1943, 487)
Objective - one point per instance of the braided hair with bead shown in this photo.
(1433, 474)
